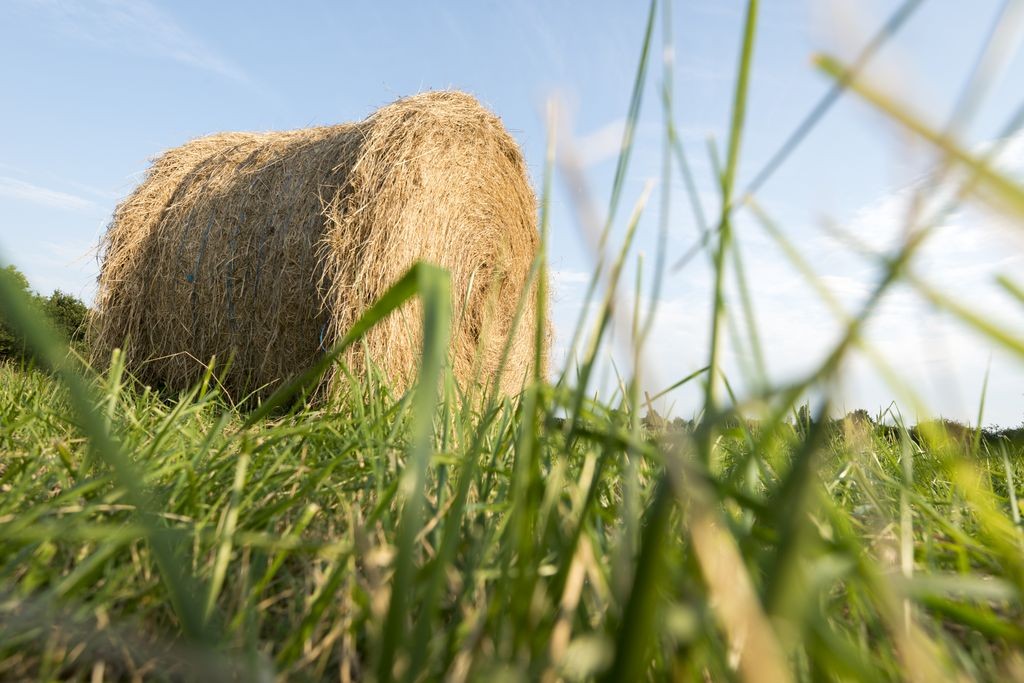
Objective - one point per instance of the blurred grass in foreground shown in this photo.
(554, 536)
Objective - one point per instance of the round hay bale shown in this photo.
(266, 247)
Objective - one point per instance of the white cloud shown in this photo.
(569, 278)
(938, 357)
(605, 142)
(601, 144)
(845, 288)
(137, 27)
(13, 188)
(68, 264)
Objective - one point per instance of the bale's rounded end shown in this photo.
(441, 180)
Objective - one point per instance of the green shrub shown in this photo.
(65, 311)
(11, 345)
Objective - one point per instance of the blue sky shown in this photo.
(96, 88)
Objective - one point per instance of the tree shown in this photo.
(11, 345)
(65, 311)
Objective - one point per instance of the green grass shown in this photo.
(291, 535)
(553, 536)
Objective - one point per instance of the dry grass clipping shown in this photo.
(265, 247)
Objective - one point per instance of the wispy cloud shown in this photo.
(966, 229)
(601, 144)
(13, 188)
(69, 264)
(137, 27)
(569, 278)
(931, 351)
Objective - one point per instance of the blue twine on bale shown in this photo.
(323, 331)
(229, 280)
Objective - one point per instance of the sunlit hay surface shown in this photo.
(265, 247)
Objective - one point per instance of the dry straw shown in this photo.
(265, 247)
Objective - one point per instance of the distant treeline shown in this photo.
(879, 426)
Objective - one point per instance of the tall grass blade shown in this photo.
(165, 545)
(434, 290)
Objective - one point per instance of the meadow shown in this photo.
(451, 533)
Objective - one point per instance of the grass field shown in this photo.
(553, 536)
(328, 543)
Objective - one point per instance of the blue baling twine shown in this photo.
(323, 331)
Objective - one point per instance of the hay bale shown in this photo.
(265, 247)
